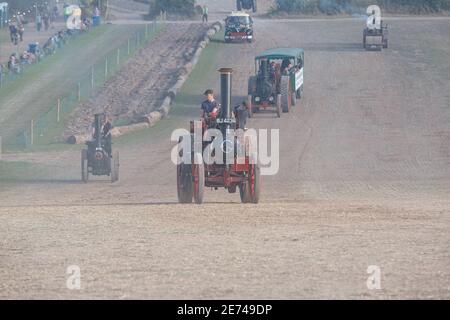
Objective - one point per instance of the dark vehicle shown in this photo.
(98, 158)
(278, 82)
(239, 26)
(243, 172)
(247, 5)
(376, 38)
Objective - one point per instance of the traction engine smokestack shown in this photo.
(225, 92)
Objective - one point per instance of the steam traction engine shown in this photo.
(242, 173)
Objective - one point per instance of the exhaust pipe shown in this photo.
(225, 92)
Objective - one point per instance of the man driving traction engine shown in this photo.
(210, 107)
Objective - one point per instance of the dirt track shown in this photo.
(364, 180)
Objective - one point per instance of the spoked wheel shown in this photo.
(286, 97)
(250, 190)
(184, 183)
(198, 179)
(278, 105)
(115, 167)
(84, 166)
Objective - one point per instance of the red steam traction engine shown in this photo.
(242, 172)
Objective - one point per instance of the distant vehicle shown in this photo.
(97, 160)
(278, 82)
(247, 5)
(376, 38)
(239, 26)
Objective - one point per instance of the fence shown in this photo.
(49, 126)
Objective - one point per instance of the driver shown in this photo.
(209, 107)
(106, 134)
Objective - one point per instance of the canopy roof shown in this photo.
(280, 53)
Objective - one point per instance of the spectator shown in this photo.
(55, 12)
(38, 22)
(13, 32)
(205, 14)
(46, 21)
(13, 64)
(20, 30)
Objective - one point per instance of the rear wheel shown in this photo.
(294, 98)
(286, 98)
(249, 191)
(198, 177)
(238, 5)
(255, 183)
(184, 183)
(84, 166)
(385, 43)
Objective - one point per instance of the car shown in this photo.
(239, 26)
(278, 80)
(247, 5)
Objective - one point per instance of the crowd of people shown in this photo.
(35, 52)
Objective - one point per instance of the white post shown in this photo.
(58, 110)
(92, 77)
(32, 132)
(106, 69)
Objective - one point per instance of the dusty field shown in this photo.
(364, 180)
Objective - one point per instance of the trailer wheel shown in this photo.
(286, 99)
(84, 166)
(278, 105)
(184, 183)
(294, 98)
(299, 92)
(198, 179)
(115, 167)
